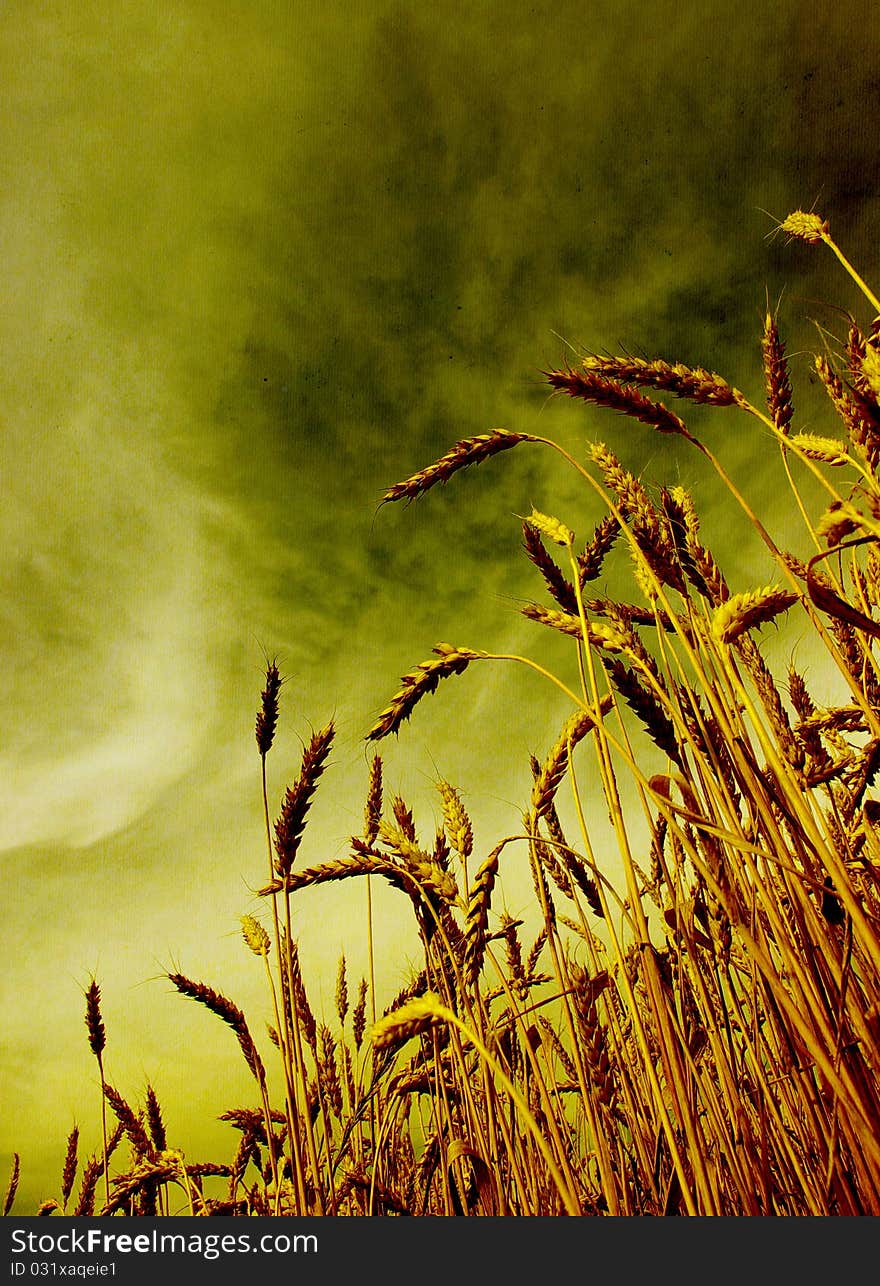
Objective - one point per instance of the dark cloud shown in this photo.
(262, 261)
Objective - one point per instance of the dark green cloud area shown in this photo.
(260, 262)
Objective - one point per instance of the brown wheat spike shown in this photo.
(442, 850)
(328, 1070)
(566, 857)
(582, 879)
(745, 611)
(513, 949)
(404, 818)
(800, 695)
(359, 1017)
(597, 549)
(385, 1199)
(419, 682)
(92, 1171)
(777, 381)
(547, 856)
(94, 1022)
(297, 798)
(535, 950)
(630, 493)
(230, 1014)
(709, 579)
(651, 538)
(115, 1139)
(595, 1037)
(555, 1042)
(859, 416)
(155, 1122)
(427, 875)
(267, 718)
(130, 1122)
(348, 1075)
(457, 823)
(553, 769)
(770, 698)
(648, 709)
(304, 1015)
(626, 615)
(856, 348)
(677, 507)
(478, 915)
(594, 388)
(414, 1017)
(698, 562)
(465, 453)
(373, 806)
(341, 996)
(71, 1160)
(160, 1171)
(561, 589)
(12, 1187)
(251, 1122)
(692, 383)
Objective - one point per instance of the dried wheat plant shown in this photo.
(695, 1031)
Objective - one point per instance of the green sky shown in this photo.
(261, 261)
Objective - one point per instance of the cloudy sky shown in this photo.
(261, 261)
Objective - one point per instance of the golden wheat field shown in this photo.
(688, 1023)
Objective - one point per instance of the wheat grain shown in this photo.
(777, 380)
(805, 226)
(692, 383)
(297, 799)
(341, 996)
(645, 705)
(590, 562)
(267, 718)
(359, 1017)
(560, 588)
(68, 1174)
(155, 1122)
(742, 612)
(599, 635)
(551, 528)
(418, 1015)
(12, 1187)
(478, 914)
(418, 683)
(595, 388)
(457, 823)
(94, 1021)
(373, 806)
(553, 769)
(130, 1122)
(229, 1013)
(827, 450)
(465, 453)
(255, 936)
